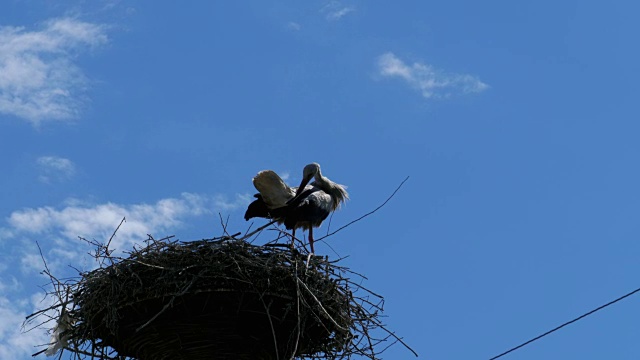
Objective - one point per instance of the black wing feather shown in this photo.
(305, 209)
(258, 208)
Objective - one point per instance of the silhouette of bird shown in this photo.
(306, 206)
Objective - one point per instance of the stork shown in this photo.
(306, 206)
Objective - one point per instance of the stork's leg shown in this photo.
(311, 239)
(293, 239)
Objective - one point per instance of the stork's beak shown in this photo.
(301, 187)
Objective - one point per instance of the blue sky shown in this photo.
(517, 123)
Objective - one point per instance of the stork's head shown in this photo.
(309, 172)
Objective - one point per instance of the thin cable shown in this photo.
(565, 324)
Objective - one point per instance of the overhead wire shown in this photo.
(565, 324)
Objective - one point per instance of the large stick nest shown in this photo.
(218, 298)
(221, 299)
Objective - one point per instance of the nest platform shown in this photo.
(217, 299)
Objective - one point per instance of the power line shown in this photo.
(565, 324)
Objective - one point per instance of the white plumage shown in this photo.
(274, 191)
(59, 337)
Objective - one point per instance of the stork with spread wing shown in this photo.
(306, 206)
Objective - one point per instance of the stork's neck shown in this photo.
(336, 191)
(322, 182)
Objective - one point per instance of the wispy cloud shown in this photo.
(223, 203)
(100, 220)
(285, 175)
(39, 80)
(62, 226)
(335, 10)
(14, 344)
(9, 284)
(431, 82)
(292, 25)
(55, 168)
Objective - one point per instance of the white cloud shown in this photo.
(38, 78)
(431, 82)
(31, 263)
(100, 220)
(335, 10)
(222, 203)
(62, 226)
(11, 283)
(338, 14)
(55, 168)
(5, 234)
(293, 26)
(14, 344)
(109, 4)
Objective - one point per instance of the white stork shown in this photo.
(303, 207)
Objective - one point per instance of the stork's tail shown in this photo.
(275, 192)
